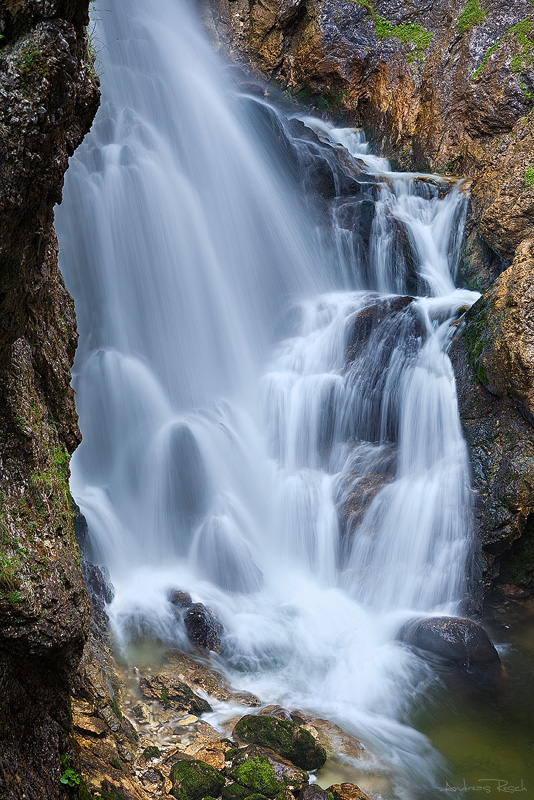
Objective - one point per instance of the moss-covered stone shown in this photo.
(284, 737)
(259, 776)
(151, 752)
(263, 771)
(195, 780)
(234, 791)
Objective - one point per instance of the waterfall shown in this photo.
(268, 411)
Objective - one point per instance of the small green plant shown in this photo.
(473, 14)
(115, 707)
(9, 573)
(70, 778)
(529, 176)
(165, 698)
(33, 62)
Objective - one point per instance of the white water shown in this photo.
(230, 448)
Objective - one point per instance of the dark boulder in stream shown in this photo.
(459, 641)
(203, 627)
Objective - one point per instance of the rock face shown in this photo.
(494, 366)
(48, 98)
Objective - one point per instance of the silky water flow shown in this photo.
(268, 412)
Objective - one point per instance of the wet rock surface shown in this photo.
(285, 737)
(493, 364)
(347, 791)
(458, 641)
(133, 743)
(265, 772)
(48, 96)
(203, 627)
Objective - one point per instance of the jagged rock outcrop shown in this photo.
(48, 96)
(494, 366)
(440, 86)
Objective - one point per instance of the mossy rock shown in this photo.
(262, 771)
(173, 693)
(284, 737)
(234, 791)
(151, 752)
(258, 775)
(195, 780)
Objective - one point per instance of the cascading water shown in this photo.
(269, 417)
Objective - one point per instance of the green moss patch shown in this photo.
(410, 33)
(287, 738)
(523, 36)
(151, 752)
(473, 14)
(195, 780)
(257, 775)
(529, 176)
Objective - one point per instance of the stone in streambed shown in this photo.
(290, 740)
(313, 792)
(264, 772)
(233, 791)
(173, 693)
(347, 791)
(203, 627)
(459, 641)
(195, 780)
(180, 599)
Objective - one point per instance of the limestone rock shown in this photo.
(500, 333)
(347, 791)
(493, 352)
(174, 694)
(438, 86)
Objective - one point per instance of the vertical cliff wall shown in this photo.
(48, 97)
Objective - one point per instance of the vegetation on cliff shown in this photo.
(48, 101)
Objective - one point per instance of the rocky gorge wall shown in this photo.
(444, 86)
(48, 97)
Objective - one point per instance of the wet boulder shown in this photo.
(194, 780)
(285, 737)
(347, 791)
(313, 792)
(173, 693)
(374, 315)
(458, 641)
(264, 772)
(233, 791)
(180, 600)
(203, 627)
